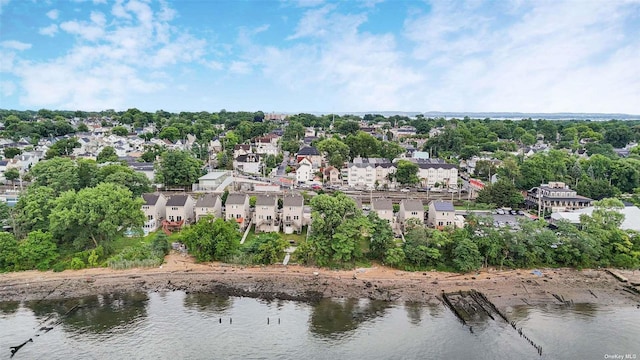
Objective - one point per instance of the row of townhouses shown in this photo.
(178, 210)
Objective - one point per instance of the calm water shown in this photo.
(176, 325)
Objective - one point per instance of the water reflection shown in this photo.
(333, 318)
(210, 303)
(580, 311)
(97, 313)
(9, 307)
(416, 311)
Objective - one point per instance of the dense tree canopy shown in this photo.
(178, 168)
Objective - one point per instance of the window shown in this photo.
(414, 213)
(268, 217)
(145, 208)
(440, 223)
(296, 217)
(238, 216)
(171, 218)
(179, 218)
(288, 218)
(149, 217)
(174, 208)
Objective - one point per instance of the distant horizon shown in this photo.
(322, 56)
(387, 113)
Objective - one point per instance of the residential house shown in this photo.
(436, 171)
(241, 149)
(410, 209)
(384, 209)
(267, 145)
(212, 180)
(208, 204)
(266, 214)
(442, 213)
(180, 211)
(304, 172)
(249, 163)
(332, 176)
(555, 197)
(312, 154)
(181, 207)
(237, 208)
(292, 214)
(363, 172)
(154, 208)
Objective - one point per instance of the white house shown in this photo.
(304, 172)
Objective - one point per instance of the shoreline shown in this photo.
(293, 282)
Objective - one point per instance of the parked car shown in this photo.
(500, 212)
(405, 190)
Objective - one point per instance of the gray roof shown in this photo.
(381, 204)
(208, 200)
(443, 206)
(412, 205)
(236, 199)
(150, 199)
(436, 166)
(177, 200)
(293, 200)
(266, 200)
(308, 150)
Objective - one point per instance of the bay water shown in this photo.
(178, 325)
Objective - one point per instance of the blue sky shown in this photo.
(324, 56)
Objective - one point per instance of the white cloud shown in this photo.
(542, 56)
(53, 14)
(50, 30)
(108, 66)
(240, 67)
(7, 88)
(15, 45)
(342, 66)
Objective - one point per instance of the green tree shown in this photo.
(335, 150)
(407, 172)
(8, 251)
(82, 127)
(466, 256)
(33, 209)
(63, 147)
(60, 174)
(394, 256)
(107, 154)
(37, 251)
(120, 131)
(381, 239)
(95, 215)
(502, 193)
(269, 248)
(87, 173)
(618, 136)
(210, 239)
(11, 152)
(12, 174)
(170, 133)
(178, 168)
(390, 150)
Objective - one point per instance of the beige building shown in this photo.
(266, 214)
(237, 208)
(384, 209)
(155, 211)
(556, 197)
(410, 209)
(446, 175)
(292, 214)
(180, 209)
(208, 204)
(442, 214)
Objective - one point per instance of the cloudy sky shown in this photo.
(314, 55)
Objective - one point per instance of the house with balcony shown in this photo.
(442, 214)
(332, 176)
(154, 209)
(266, 214)
(556, 197)
(180, 211)
(208, 204)
(384, 209)
(292, 214)
(267, 145)
(432, 173)
(304, 172)
(410, 209)
(237, 208)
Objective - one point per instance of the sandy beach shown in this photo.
(503, 288)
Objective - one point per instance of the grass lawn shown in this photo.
(295, 237)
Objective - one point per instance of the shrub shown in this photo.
(77, 264)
